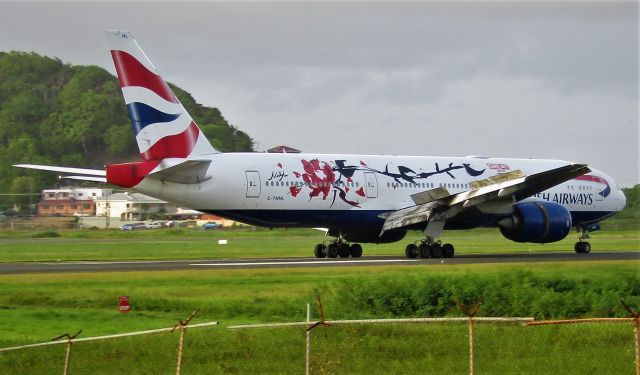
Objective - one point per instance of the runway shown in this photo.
(256, 263)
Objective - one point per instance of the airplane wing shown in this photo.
(496, 193)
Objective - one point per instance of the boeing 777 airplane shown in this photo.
(357, 198)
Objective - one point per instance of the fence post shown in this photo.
(308, 350)
(637, 337)
(636, 334)
(67, 356)
(310, 327)
(182, 326)
(471, 311)
(471, 346)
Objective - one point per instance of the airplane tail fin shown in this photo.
(163, 127)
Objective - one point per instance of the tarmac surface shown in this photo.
(257, 263)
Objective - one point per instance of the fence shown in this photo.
(69, 340)
(437, 345)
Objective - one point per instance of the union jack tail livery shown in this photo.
(162, 126)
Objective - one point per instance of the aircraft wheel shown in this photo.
(343, 250)
(320, 251)
(332, 250)
(356, 250)
(578, 247)
(424, 250)
(411, 251)
(435, 251)
(582, 247)
(447, 250)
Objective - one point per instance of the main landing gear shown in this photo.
(582, 246)
(337, 248)
(429, 248)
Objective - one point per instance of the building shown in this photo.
(70, 201)
(132, 206)
(284, 150)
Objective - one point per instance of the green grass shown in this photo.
(199, 244)
(38, 307)
(379, 349)
(35, 308)
(41, 306)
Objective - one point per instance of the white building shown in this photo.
(91, 193)
(132, 206)
(70, 201)
(78, 194)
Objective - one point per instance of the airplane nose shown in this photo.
(622, 199)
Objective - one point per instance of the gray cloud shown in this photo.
(557, 80)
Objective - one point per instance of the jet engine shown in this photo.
(538, 222)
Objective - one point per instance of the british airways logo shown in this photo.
(567, 198)
(605, 192)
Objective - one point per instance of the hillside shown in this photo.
(56, 113)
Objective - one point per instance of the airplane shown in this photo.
(356, 198)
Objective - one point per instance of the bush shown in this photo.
(46, 234)
(507, 293)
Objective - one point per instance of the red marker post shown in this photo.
(123, 304)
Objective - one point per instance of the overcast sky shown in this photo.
(505, 79)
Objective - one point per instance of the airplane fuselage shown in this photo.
(351, 191)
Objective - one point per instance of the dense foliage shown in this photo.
(632, 209)
(505, 293)
(629, 218)
(56, 113)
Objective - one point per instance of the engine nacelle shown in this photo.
(368, 236)
(538, 222)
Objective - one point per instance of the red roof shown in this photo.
(284, 150)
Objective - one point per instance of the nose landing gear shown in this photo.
(582, 246)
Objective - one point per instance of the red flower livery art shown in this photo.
(320, 178)
(324, 178)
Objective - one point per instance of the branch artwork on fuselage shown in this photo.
(323, 178)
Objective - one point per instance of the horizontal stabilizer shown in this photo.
(52, 168)
(184, 172)
(86, 178)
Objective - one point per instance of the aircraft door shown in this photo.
(371, 184)
(253, 184)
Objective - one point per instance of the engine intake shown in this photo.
(537, 222)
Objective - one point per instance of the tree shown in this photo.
(56, 113)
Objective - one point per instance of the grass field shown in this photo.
(39, 307)
(380, 349)
(199, 244)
